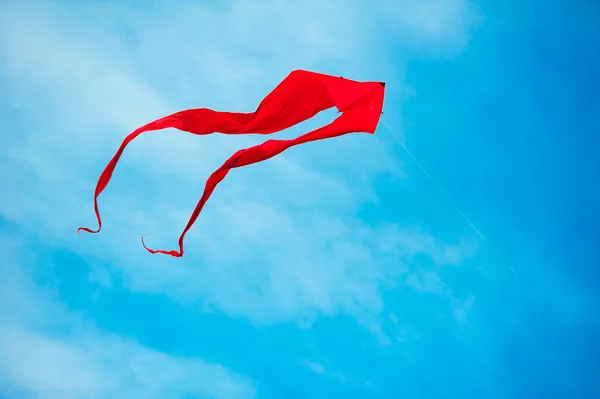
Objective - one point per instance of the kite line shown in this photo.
(447, 197)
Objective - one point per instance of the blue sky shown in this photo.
(335, 270)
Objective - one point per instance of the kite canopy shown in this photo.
(300, 96)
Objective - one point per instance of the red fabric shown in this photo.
(300, 96)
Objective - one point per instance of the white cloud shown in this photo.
(101, 366)
(320, 367)
(278, 241)
(50, 352)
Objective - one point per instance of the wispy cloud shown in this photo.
(278, 241)
(320, 367)
(49, 351)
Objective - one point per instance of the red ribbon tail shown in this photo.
(97, 212)
(173, 253)
(88, 230)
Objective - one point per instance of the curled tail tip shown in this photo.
(144, 244)
(79, 230)
(175, 254)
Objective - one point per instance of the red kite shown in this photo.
(300, 96)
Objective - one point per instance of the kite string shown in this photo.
(452, 203)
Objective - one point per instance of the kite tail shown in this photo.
(186, 120)
(168, 121)
(342, 125)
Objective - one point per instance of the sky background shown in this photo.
(335, 270)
